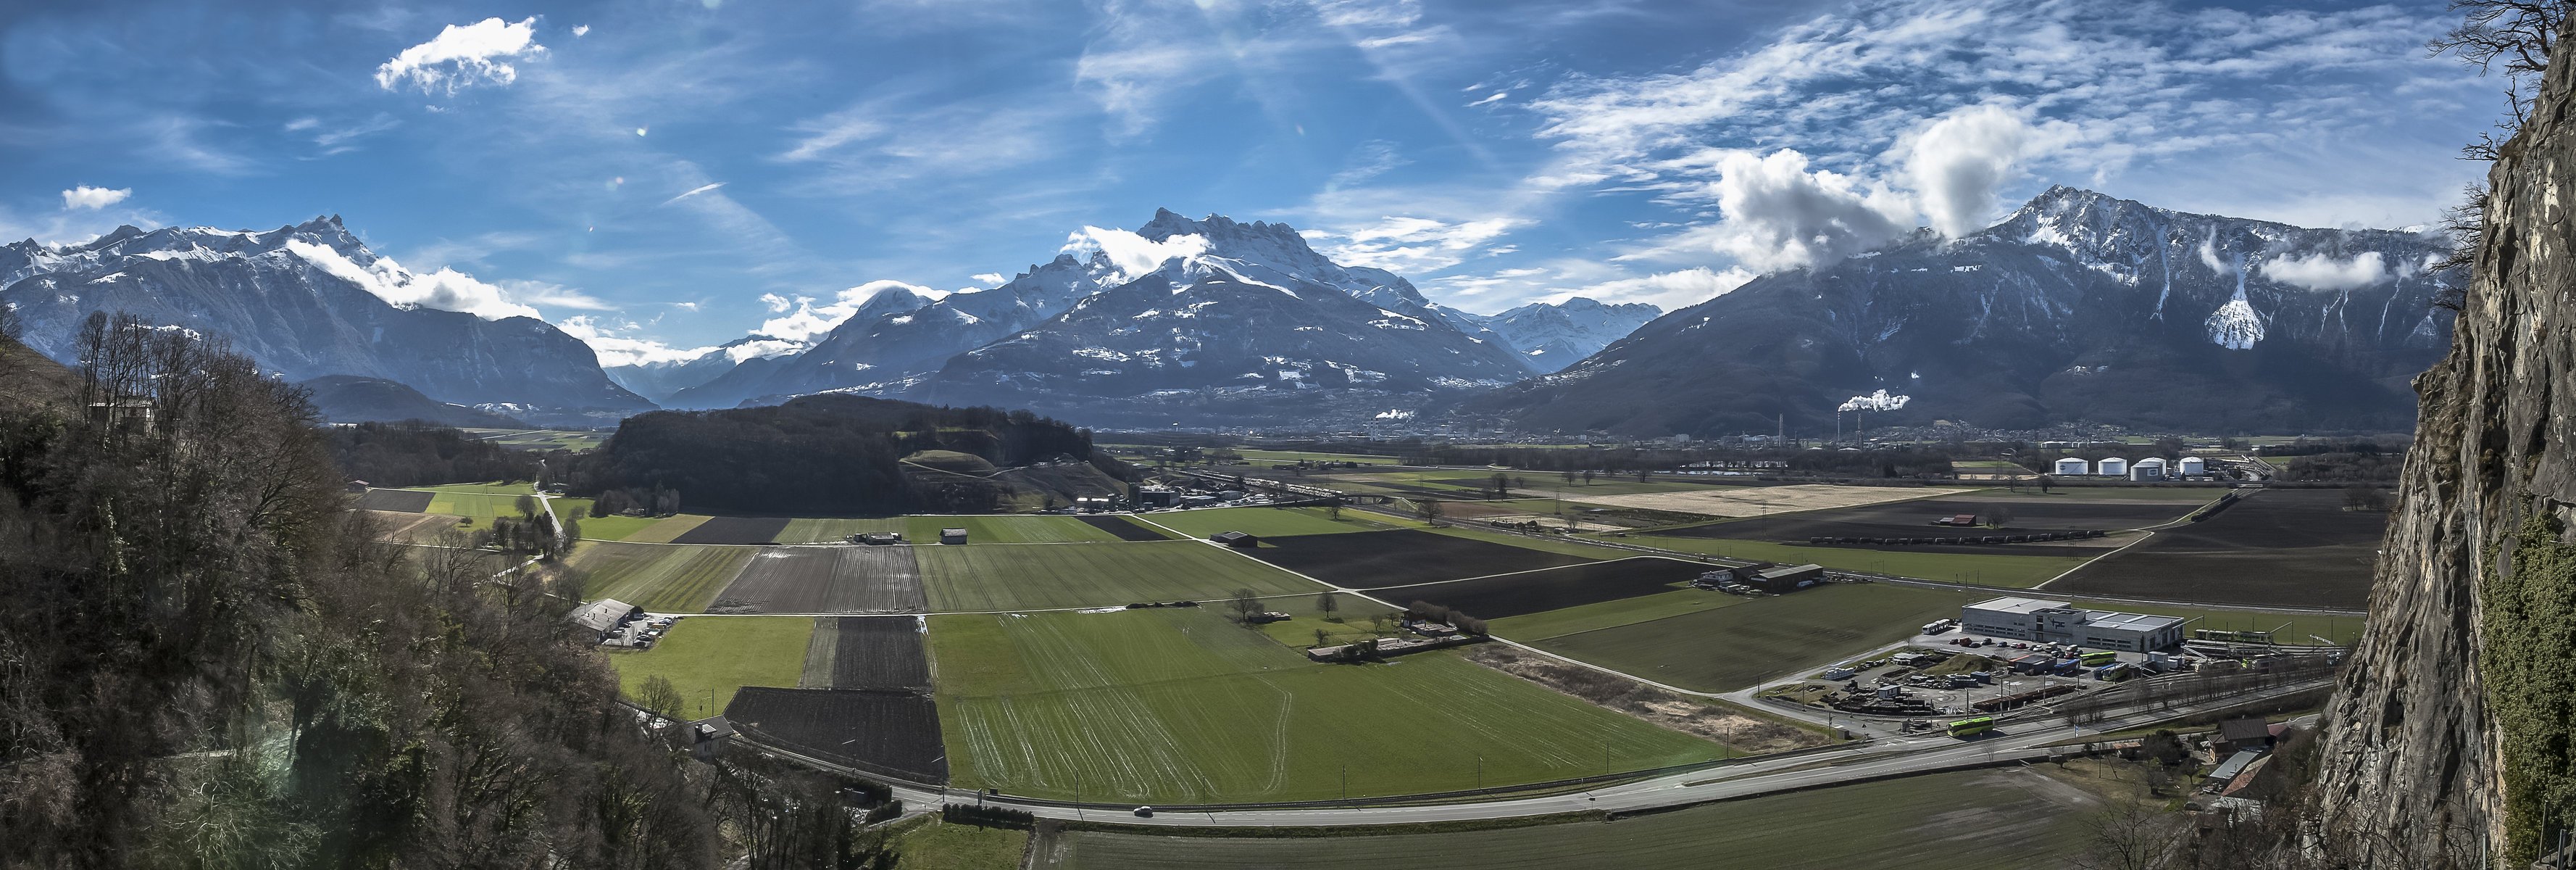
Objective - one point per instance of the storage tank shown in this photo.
(2150, 468)
(2193, 466)
(2112, 467)
(2073, 465)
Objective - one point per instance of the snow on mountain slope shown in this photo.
(2078, 307)
(311, 300)
(1553, 336)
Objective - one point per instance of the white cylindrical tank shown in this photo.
(2193, 466)
(2073, 465)
(2112, 467)
(2150, 468)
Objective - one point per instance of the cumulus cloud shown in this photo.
(1412, 245)
(465, 56)
(990, 279)
(1134, 255)
(1666, 290)
(581, 30)
(618, 344)
(2324, 272)
(802, 320)
(445, 289)
(1776, 213)
(94, 198)
(1959, 162)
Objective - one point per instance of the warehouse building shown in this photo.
(2048, 621)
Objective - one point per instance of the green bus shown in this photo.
(1972, 727)
(2099, 657)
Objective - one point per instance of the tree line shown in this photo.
(416, 453)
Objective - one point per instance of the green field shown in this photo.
(708, 657)
(2020, 571)
(1268, 456)
(1268, 522)
(1184, 706)
(1004, 529)
(1727, 648)
(829, 530)
(481, 501)
(1611, 614)
(1093, 575)
(1951, 821)
(541, 439)
(663, 578)
(931, 844)
(660, 530)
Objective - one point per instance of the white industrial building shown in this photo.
(2048, 621)
(2074, 465)
(2192, 466)
(2150, 468)
(2112, 467)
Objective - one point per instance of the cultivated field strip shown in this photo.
(779, 576)
(1125, 529)
(874, 580)
(1401, 557)
(826, 580)
(734, 530)
(972, 578)
(1571, 586)
(822, 653)
(825, 531)
(1752, 501)
(398, 500)
(890, 732)
(666, 529)
(1183, 705)
(1729, 648)
(2277, 548)
(415, 528)
(662, 579)
(875, 652)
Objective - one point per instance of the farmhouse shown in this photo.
(2055, 622)
(604, 616)
(1238, 540)
(952, 536)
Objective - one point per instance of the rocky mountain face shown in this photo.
(1197, 317)
(2451, 725)
(2079, 307)
(1552, 336)
(291, 298)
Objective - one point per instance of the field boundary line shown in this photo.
(2149, 536)
(1530, 571)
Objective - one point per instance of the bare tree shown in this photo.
(1246, 603)
(1329, 603)
(1429, 508)
(658, 696)
(2128, 836)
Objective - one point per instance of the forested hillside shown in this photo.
(415, 453)
(208, 660)
(830, 453)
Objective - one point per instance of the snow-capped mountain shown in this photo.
(1551, 336)
(1197, 297)
(297, 299)
(2078, 307)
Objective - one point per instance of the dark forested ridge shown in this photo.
(415, 453)
(829, 453)
(209, 660)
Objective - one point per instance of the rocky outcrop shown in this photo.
(2451, 730)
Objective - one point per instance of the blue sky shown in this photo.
(658, 176)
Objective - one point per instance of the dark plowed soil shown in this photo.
(2283, 547)
(398, 500)
(1125, 529)
(1539, 591)
(1373, 560)
(1913, 519)
(892, 733)
(879, 652)
(735, 530)
(826, 580)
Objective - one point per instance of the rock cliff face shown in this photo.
(2453, 721)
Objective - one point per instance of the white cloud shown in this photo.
(617, 345)
(1775, 213)
(2326, 273)
(445, 289)
(990, 279)
(580, 30)
(807, 321)
(464, 56)
(1958, 163)
(1134, 255)
(554, 296)
(1412, 245)
(94, 198)
(1667, 290)
(693, 192)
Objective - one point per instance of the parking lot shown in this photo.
(1954, 673)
